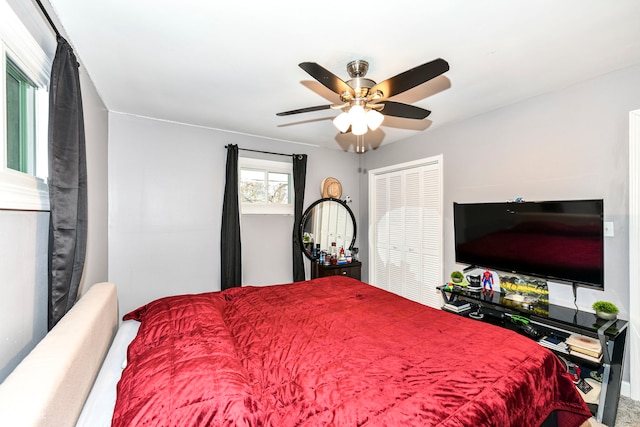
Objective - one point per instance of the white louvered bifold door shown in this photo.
(413, 282)
(379, 246)
(432, 234)
(406, 230)
(395, 233)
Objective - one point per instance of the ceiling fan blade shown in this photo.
(411, 78)
(398, 109)
(304, 110)
(326, 78)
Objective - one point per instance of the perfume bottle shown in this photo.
(342, 259)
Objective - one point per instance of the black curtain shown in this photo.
(67, 184)
(230, 249)
(299, 180)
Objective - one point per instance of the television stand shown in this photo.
(536, 321)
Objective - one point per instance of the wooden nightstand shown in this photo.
(352, 270)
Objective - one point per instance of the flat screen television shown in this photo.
(561, 240)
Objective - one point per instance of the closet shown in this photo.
(405, 215)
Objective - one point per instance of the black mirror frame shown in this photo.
(307, 212)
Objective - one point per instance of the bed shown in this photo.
(337, 352)
(331, 351)
(51, 384)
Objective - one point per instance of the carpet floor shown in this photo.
(628, 414)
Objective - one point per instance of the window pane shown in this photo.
(278, 188)
(13, 122)
(252, 186)
(20, 100)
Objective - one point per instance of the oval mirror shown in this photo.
(327, 221)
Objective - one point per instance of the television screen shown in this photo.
(560, 240)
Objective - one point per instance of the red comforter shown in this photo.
(332, 352)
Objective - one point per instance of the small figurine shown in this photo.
(487, 279)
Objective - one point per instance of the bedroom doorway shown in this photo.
(405, 229)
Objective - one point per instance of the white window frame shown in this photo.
(19, 190)
(270, 166)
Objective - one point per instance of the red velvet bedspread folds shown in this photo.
(332, 352)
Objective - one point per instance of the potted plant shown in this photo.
(457, 277)
(605, 310)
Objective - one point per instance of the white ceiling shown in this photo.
(233, 65)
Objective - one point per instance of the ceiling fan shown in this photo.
(363, 101)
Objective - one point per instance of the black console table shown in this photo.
(550, 318)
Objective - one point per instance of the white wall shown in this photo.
(23, 277)
(96, 267)
(166, 184)
(569, 144)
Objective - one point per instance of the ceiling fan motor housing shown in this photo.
(357, 70)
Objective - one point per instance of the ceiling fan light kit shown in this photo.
(359, 119)
(365, 102)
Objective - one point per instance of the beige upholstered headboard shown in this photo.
(49, 387)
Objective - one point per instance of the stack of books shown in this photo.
(554, 343)
(586, 348)
(457, 306)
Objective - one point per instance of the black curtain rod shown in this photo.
(263, 152)
(46, 15)
(23, 210)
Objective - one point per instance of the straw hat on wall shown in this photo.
(330, 187)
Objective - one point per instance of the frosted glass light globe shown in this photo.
(359, 128)
(342, 122)
(358, 120)
(374, 119)
(356, 113)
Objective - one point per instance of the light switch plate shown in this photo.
(608, 229)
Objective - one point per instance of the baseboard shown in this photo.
(625, 389)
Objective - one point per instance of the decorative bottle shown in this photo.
(341, 258)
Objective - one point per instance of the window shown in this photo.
(266, 187)
(21, 120)
(24, 70)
